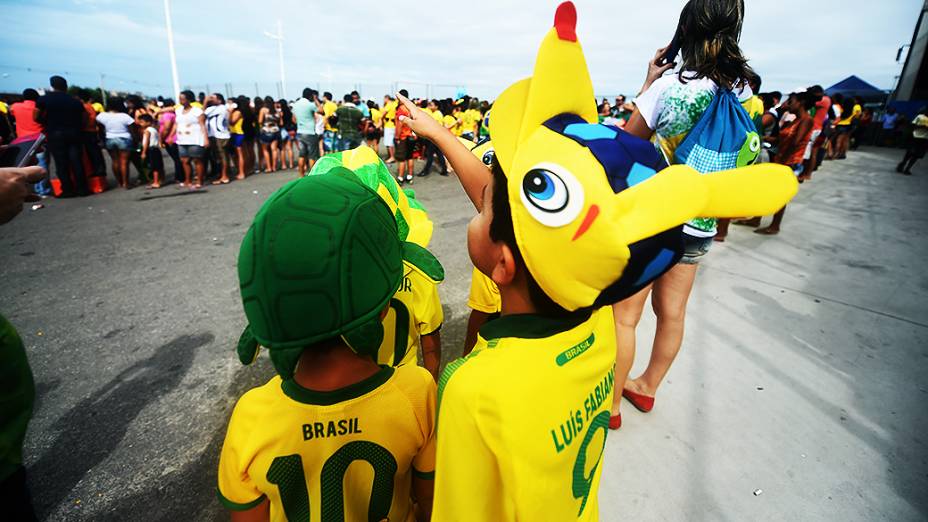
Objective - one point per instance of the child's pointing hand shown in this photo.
(421, 123)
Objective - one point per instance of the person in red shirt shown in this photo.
(405, 143)
(27, 129)
(822, 105)
(24, 115)
(91, 136)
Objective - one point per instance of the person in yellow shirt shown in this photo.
(564, 229)
(291, 444)
(330, 136)
(847, 125)
(414, 317)
(483, 301)
(413, 321)
(457, 115)
(470, 120)
(389, 126)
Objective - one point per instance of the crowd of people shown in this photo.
(211, 139)
(526, 295)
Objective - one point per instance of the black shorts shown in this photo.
(917, 148)
(155, 161)
(404, 149)
(843, 129)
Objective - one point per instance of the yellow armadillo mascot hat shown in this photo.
(596, 213)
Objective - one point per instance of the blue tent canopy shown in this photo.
(854, 86)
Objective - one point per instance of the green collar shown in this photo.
(327, 398)
(532, 326)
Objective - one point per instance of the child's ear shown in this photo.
(504, 271)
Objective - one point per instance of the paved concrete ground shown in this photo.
(802, 374)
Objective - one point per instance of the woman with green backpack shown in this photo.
(711, 81)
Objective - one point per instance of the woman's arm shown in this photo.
(202, 121)
(472, 173)
(637, 126)
(656, 70)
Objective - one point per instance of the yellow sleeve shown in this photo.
(429, 315)
(423, 464)
(237, 491)
(484, 294)
(467, 479)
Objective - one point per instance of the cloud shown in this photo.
(483, 44)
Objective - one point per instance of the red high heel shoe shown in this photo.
(642, 402)
(615, 422)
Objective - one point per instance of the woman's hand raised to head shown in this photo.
(656, 69)
(419, 121)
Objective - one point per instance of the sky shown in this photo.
(434, 47)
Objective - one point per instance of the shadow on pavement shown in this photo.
(189, 492)
(91, 430)
(174, 195)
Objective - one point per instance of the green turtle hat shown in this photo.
(321, 260)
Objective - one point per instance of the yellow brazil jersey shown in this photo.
(528, 448)
(375, 116)
(415, 310)
(328, 109)
(389, 115)
(236, 128)
(451, 123)
(298, 448)
(471, 117)
(754, 106)
(437, 115)
(484, 294)
(196, 104)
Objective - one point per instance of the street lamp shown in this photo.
(167, 18)
(280, 55)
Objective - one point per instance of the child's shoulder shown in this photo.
(416, 384)
(413, 379)
(261, 395)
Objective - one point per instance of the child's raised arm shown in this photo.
(472, 173)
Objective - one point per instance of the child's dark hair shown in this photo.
(501, 230)
(147, 118)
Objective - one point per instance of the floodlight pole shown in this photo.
(167, 18)
(280, 55)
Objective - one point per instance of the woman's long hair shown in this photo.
(285, 111)
(709, 31)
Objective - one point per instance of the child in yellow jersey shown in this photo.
(573, 217)
(335, 436)
(470, 118)
(484, 304)
(415, 315)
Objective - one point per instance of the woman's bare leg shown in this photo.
(124, 167)
(627, 314)
(240, 156)
(671, 293)
(275, 153)
(201, 170)
(185, 161)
